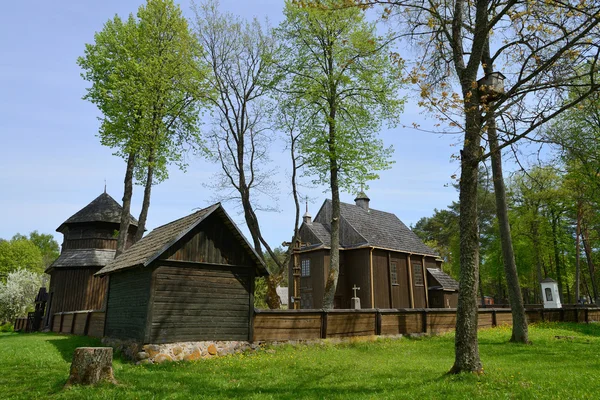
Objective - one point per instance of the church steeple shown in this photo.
(307, 218)
(362, 200)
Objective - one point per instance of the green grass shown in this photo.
(37, 366)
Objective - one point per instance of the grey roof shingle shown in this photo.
(160, 239)
(83, 258)
(102, 209)
(447, 282)
(377, 228)
(321, 231)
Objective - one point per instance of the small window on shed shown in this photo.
(548, 294)
(306, 267)
(394, 273)
(417, 273)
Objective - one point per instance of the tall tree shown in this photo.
(541, 45)
(520, 332)
(147, 79)
(48, 246)
(342, 74)
(19, 253)
(241, 57)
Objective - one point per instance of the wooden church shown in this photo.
(378, 254)
(90, 242)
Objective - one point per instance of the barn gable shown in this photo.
(208, 235)
(209, 242)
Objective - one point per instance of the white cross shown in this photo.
(355, 289)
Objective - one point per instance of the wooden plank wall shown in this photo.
(281, 325)
(127, 305)
(299, 325)
(85, 323)
(96, 324)
(210, 242)
(347, 323)
(77, 289)
(20, 324)
(192, 304)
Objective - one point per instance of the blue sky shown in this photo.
(52, 163)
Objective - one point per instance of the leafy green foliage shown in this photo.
(48, 246)
(34, 253)
(147, 80)
(19, 252)
(341, 78)
(260, 294)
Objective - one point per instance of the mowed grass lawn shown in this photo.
(37, 366)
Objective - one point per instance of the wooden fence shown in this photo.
(20, 324)
(281, 325)
(87, 323)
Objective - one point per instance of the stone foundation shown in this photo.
(183, 351)
(191, 351)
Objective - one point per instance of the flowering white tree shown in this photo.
(17, 294)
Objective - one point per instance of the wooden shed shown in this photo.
(189, 280)
(443, 290)
(89, 244)
(378, 253)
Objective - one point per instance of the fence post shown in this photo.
(424, 318)
(542, 314)
(323, 324)
(494, 318)
(378, 322)
(62, 318)
(561, 315)
(87, 323)
(587, 316)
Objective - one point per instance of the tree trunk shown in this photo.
(91, 365)
(538, 258)
(127, 193)
(481, 292)
(557, 254)
(567, 287)
(519, 329)
(466, 344)
(586, 287)
(590, 261)
(578, 253)
(146, 201)
(334, 259)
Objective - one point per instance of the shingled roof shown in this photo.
(83, 258)
(151, 246)
(102, 209)
(446, 281)
(369, 228)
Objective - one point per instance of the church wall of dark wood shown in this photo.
(356, 272)
(76, 289)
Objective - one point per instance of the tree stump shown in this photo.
(91, 365)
